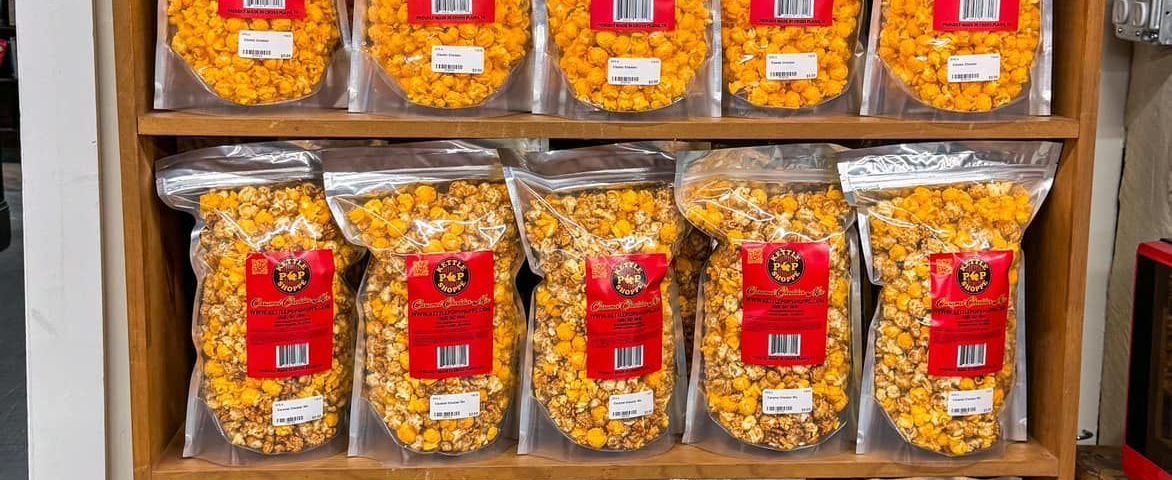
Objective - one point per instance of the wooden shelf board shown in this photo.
(683, 461)
(338, 124)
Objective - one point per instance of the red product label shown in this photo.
(450, 306)
(791, 13)
(970, 306)
(292, 9)
(976, 15)
(624, 315)
(633, 15)
(431, 12)
(290, 313)
(784, 293)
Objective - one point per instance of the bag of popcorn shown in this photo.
(273, 324)
(441, 319)
(779, 300)
(794, 57)
(442, 57)
(236, 56)
(602, 371)
(627, 59)
(942, 226)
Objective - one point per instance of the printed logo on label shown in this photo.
(976, 15)
(970, 309)
(973, 276)
(451, 276)
(633, 15)
(290, 313)
(450, 305)
(629, 279)
(791, 13)
(785, 266)
(270, 9)
(291, 275)
(785, 297)
(624, 315)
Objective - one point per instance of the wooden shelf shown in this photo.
(338, 124)
(683, 461)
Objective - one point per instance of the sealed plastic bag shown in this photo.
(273, 324)
(604, 58)
(687, 266)
(441, 317)
(250, 53)
(942, 226)
(950, 59)
(441, 57)
(791, 57)
(602, 369)
(779, 299)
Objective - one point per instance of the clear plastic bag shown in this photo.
(942, 226)
(627, 59)
(233, 57)
(773, 367)
(442, 58)
(602, 371)
(273, 324)
(687, 266)
(442, 321)
(792, 58)
(959, 59)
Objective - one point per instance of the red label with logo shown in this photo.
(292, 9)
(970, 307)
(451, 11)
(290, 313)
(785, 298)
(624, 315)
(450, 306)
(791, 13)
(633, 15)
(976, 15)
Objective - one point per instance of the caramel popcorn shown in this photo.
(917, 56)
(209, 44)
(694, 251)
(584, 55)
(414, 219)
(403, 48)
(747, 47)
(905, 230)
(240, 222)
(743, 213)
(566, 230)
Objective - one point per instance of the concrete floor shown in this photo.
(13, 406)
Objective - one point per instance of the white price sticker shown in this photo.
(265, 45)
(970, 402)
(458, 60)
(294, 412)
(633, 71)
(455, 406)
(790, 401)
(631, 405)
(974, 68)
(791, 66)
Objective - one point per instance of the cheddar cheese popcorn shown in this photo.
(948, 255)
(961, 60)
(774, 61)
(777, 296)
(253, 56)
(448, 54)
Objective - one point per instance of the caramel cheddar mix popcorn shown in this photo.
(255, 56)
(961, 61)
(775, 61)
(686, 266)
(441, 313)
(448, 53)
(258, 239)
(604, 254)
(776, 338)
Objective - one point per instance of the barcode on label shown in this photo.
(445, 67)
(634, 11)
(776, 409)
(250, 53)
(970, 355)
(782, 74)
(289, 356)
(265, 4)
(980, 10)
(787, 345)
(793, 9)
(964, 77)
(454, 356)
(293, 420)
(448, 414)
(623, 79)
(451, 7)
(626, 358)
(957, 412)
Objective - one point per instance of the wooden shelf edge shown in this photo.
(340, 124)
(682, 461)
